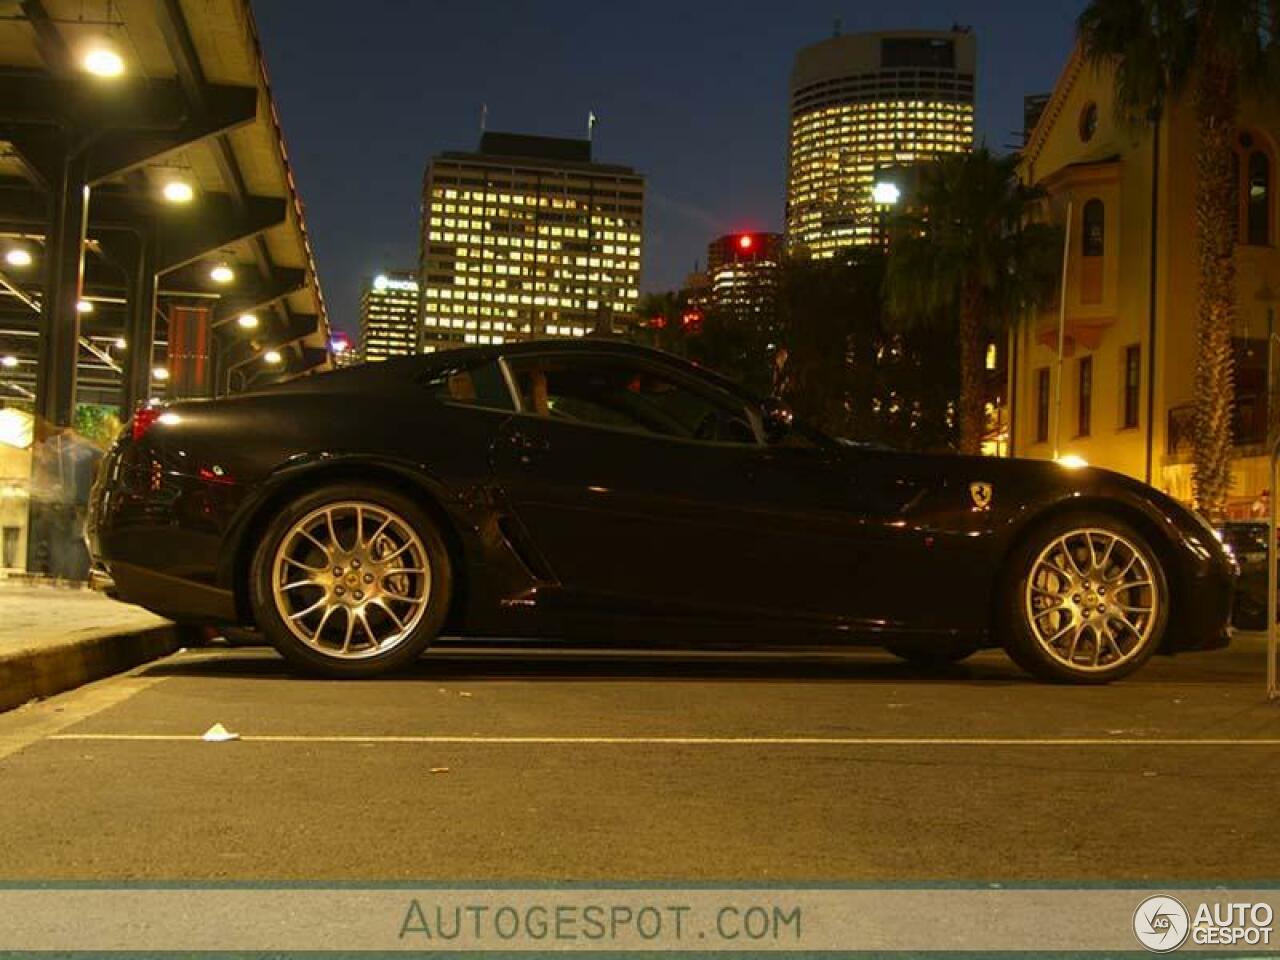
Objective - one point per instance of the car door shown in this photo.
(840, 523)
(631, 479)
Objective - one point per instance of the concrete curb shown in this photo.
(44, 671)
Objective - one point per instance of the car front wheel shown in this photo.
(350, 581)
(1085, 600)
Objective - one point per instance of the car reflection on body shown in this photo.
(591, 490)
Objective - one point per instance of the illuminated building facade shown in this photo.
(743, 274)
(389, 316)
(526, 238)
(863, 104)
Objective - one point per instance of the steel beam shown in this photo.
(218, 222)
(64, 277)
(250, 297)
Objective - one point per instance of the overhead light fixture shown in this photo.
(272, 357)
(121, 343)
(248, 321)
(221, 273)
(103, 62)
(84, 306)
(886, 193)
(18, 257)
(178, 191)
(160, 373)
(9, 361)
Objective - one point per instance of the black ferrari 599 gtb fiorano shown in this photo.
(592, 490)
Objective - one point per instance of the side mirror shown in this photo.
(778, 419)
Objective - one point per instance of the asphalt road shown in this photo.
(535, 765)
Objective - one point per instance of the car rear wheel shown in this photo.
(350, 581)
(1085, 600)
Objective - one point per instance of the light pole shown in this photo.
(1062, 333)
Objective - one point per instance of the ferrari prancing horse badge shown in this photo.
(981, 493)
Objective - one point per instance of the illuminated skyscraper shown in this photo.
(863, 105)
(388, 316)
(527, 237)
(743, 271)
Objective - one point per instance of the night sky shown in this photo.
(692, 94)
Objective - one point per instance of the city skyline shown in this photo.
(704, 123)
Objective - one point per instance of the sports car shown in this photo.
(594, 491)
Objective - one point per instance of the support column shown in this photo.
(64, 278)
(61, 463)
(140, 328)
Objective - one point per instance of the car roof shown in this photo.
(405, 368)
(600, 346)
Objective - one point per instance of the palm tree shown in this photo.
(971, 261)
(1214, 50)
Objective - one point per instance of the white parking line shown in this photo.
(703, 741)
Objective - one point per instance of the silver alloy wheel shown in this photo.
(351, 580)
(1092, 599)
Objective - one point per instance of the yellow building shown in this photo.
(1126, 377)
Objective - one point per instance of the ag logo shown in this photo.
(1161, 924)
(980, 491)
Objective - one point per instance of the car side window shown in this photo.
(475, 385)
(622, 395)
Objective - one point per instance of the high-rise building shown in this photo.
(389, 316)
(743, 273)
(863, 105)
(345, 353)
(527, 237)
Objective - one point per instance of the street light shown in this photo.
(160, 373)
(18, 257)
(272, 357)
(121, 343)
(103, 62)
(178, 191)
(221, 273)
(247, 321)
(886, 193)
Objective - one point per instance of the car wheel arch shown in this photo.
(371, 473)
(1122, 509)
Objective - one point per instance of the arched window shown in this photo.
(1093, 241)
(1253, 175)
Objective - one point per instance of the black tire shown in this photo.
(932, 654)
(271, 621)
(1020, 638)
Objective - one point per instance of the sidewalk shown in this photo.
(54, 638)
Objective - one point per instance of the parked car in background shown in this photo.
(1247, 541)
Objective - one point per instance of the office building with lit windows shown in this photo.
(388, 316)
(864, 105)
(527, 237)
(742, 271)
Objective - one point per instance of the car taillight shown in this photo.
(142, 421)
